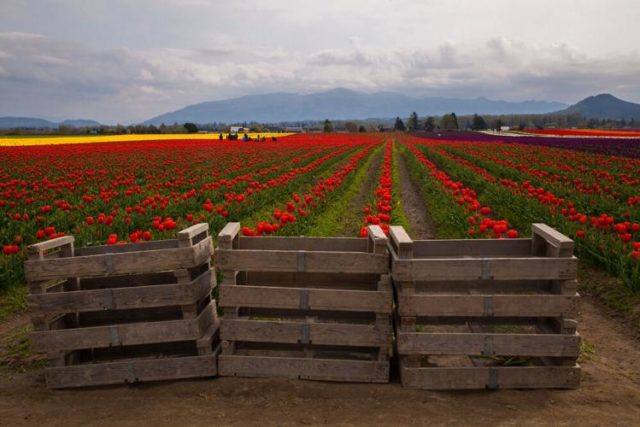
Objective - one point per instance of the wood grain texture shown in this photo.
(472, 248)
(132, 371)
(304, 368)
(120, 263)
(487, 305)
(466, 378)
(309, 298)
(320, 261)
(488, 344)
(126, 297)
(325, 244)
(336, 334)
(123, 334)
(443, 269)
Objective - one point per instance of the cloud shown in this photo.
(45, 76)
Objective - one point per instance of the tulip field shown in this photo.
(474, 186)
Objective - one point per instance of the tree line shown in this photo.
(413, 123)
(451, 121)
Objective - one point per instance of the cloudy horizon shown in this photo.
(125, 61)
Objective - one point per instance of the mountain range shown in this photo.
(33, 123)
(344, 104)
(605, 106)
(341, 104)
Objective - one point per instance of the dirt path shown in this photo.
(609, 395)
(350, 226)
(413, 204)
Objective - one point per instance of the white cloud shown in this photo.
(40, 75)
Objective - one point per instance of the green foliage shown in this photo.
(412, 123)
(190, 127)
(449, 122)
(398, 216)
(328, 126)
(343, 217)
(16, 351)
(450, 219)
(430, 124)
(13, 300)
(478, 123)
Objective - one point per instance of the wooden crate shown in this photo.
(308, 308)
(124, 313)
(475, 314)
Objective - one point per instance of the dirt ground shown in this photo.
(414, 206)
(609, 395)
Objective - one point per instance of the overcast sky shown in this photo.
(128, 60)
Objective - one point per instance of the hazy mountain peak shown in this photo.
(605, 106)
(341, 103)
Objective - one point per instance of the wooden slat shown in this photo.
(521, 377)
(129, 247)
(120, 263)
(552, 236)
(401, 242)
(294, 332)
(326, 244)
(486, 305)
(229, 232)
(193, 231)
(315, 299)
(42, 247)
(472, 248)
(125, 298)
(132, 371)
(303, 368)
(321, 261)
(123, 334)
(443, 269)
(376, 241)
(486, 287)
(363, 281)
(488, 344)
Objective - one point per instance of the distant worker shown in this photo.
(246, 138)
(220, 137)
(274, 139)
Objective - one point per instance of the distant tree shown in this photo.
(351, 126)
(430, 124)
(412, 124)
(380, 128)
(449, 122)
(499, 124)
(478, 123)
(190, 127)
(399, 125)
(362, 129)
(328, 126)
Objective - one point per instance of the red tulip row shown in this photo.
(479, 216)
(382, 214)
(581, 178)
(602, 222)
(302, 205)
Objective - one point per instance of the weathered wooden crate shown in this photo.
(486, 313)
(124, 313)
(308, 308)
